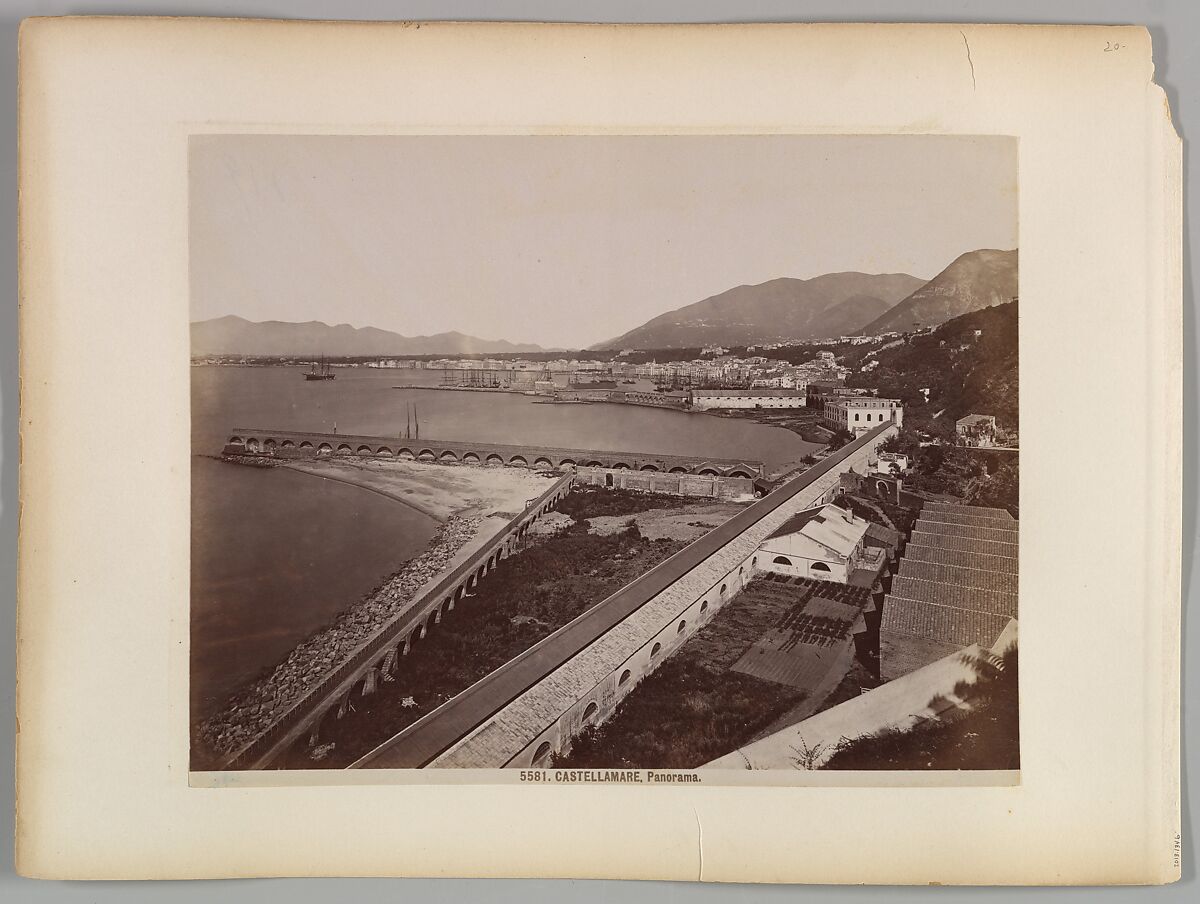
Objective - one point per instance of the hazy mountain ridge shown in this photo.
(973, 281)
(786, 308)
(232, 335)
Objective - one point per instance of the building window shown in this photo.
(589, 713)
(724, 587)
(782, 560)
(856, 415)
(682, 625)
(819, 566)
(704, 606)
(655, 650)
(625, 676)
(542, 755)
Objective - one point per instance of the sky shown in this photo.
(566, 241)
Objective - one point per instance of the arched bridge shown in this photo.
(257, 441)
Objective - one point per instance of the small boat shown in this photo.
(320, 370)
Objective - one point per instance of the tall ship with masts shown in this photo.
(320, 370)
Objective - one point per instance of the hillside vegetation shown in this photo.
(964, 373)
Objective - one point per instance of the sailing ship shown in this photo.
(320, 370)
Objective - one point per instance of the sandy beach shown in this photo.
(438, 490)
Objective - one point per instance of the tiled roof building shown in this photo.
(956, 586)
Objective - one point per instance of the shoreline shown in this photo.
(428, 512)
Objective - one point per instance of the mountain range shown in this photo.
(819, 308)
(823, 307)
(231, 335)
(836, 304)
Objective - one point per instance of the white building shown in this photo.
(823, 543)
(705, 399)
(861, 413)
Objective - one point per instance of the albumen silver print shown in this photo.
(691, 454)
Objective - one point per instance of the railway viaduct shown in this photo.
(261, 442)
(358, 675)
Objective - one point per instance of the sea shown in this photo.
(277, 554)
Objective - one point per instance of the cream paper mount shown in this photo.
(107, 110)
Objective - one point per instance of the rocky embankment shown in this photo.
(255, 709)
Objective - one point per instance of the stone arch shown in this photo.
(594, 464)
(708, 472)
(269, 445)
(344, 449)
(782, 560)
(417, 634)
(881, 489)
(567, 462)
(679, 469)
(426, 455)
(724, 587)
(447, 605)
(363, 450)
(448, 455)
(434, 617)
(821, 567)
(590, 713)
(305, 445)
(655, 650)
(287, 444)
(324, 447)
(252, 444)
(236, 441)
(494, 459)
(542, 462)
(704, 607)
(541, 756)
(682, 626)
(740, 472)
(621, 466)
(470, 458)
(406, 454)
(649, 468)
(518, 460)
(384, 452)
(625, 676)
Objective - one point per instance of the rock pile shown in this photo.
(251, 712)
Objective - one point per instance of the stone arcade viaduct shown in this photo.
(290, 444)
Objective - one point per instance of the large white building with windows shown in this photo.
(824, 543)
(858, 414)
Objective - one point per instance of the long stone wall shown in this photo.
(674, 484)
(587, 688)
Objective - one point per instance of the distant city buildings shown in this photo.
(706, 399)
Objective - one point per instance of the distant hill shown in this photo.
(232, 335)
(964, 373)
(975, 280)
(835, 304)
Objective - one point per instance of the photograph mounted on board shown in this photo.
(686, 452)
